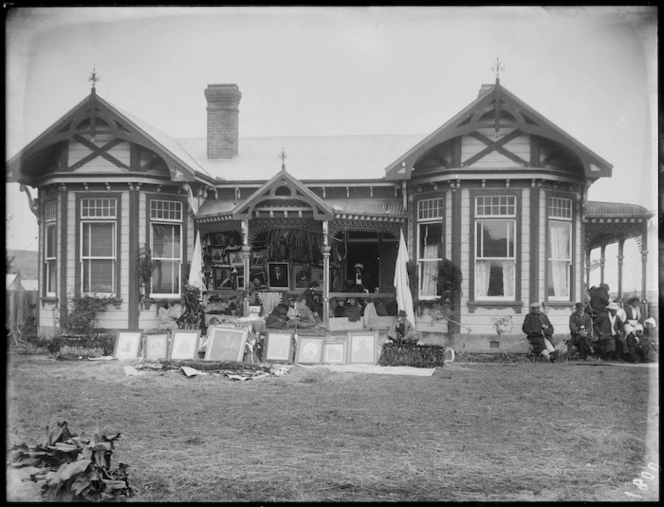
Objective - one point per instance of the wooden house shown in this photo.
(498, 190)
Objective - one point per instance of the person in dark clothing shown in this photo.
(353, 310)
(580, 327)
(402, 331)
(599, 299)
(609, 328)
(635, 352)
(311, 297)
(539, 330)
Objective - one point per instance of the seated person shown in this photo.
(311, 297)
(167, 316)
(300, 315)
(635, 353)
(609, 329)
(539, 330)
(353, 310)
(580, 327)
(402, 331)
(650, 340)
(340, 307)
(278, 317)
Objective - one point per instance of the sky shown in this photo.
(302, 71)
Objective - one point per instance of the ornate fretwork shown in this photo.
(391, 228)
(258, 226)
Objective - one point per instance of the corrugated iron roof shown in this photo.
(352, 157)
(212, 207)
(615, 209)
(373, 207)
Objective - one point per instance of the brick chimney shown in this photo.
(222, 120)
(484, 88)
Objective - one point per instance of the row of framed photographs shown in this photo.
(228, 344)
(223, 344)
(281, 276)
(358, 347)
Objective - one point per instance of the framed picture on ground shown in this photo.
(127, 344)
(309, 350)
(335, 352)
(278, 275)
(279, 346)
(156, 345)
(184, 344)
(363, 346)
(226, 344)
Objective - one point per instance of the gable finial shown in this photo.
(94, 78)
(283, 157)
(498, 67)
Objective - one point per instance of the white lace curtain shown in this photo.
(429, 271)
(560, 251)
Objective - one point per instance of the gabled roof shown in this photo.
(466, 122)
(181, 165)
(293, 189)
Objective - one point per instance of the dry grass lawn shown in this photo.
(471, 432)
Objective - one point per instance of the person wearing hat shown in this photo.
(599, 299)
(580, 327)
(650, 340)
(402, 331)
(539, 330)
(635, 353)
(633, 311)
(609, 329)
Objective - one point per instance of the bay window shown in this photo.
(429, 245)
(98, 249)
(166, 247)
(559, 248)
(495, 247)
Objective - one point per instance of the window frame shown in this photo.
(117, 225)
(437, 218)
(181, 222)
(516, 218)
(50, 263)
(571, 220)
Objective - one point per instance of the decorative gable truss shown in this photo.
(498, 131)
(96, 137)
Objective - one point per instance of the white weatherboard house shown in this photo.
(498, 190)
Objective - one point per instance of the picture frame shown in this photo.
(218, 255)
(184, 344)
(226, 344)
(278, 276)
(309, 350)
(260, 274)
(279, 346)
(335, 352)
(258, 257)
(235, 257)
(239, 282)
(301, 276)
(127, 344)
(222, 278)
(156, 345)
(362, 346)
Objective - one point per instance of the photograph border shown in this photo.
(125, 334)
(356, 334)
(152, 335)
(181, 333)
(215, 332)
(270, 267)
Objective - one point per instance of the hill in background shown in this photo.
(25, 261)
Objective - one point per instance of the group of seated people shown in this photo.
(612, 333)
(616, 333)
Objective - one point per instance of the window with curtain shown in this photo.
(166, 246)
(559, 248)
(50, 248)
(430, 244)
(98, 246)
(495, 247)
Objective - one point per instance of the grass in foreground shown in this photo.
(471, 432)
